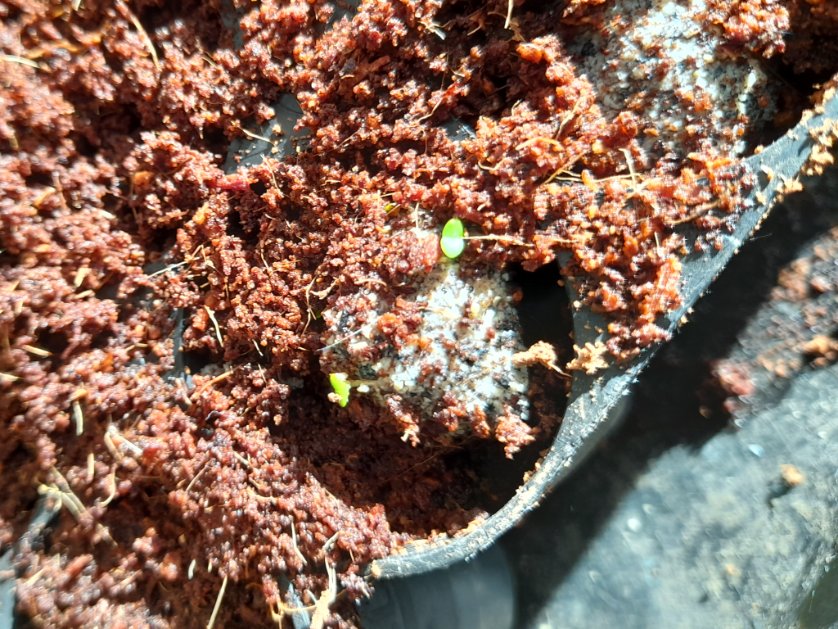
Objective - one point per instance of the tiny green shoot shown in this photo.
(341, 387)
(453, 240)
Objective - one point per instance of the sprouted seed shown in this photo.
(453, 241)
(341, 387)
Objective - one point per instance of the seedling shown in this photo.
(341, 387)
(453, 239)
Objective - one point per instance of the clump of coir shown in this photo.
(162, 321)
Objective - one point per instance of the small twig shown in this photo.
(21, 60)
(197, 476)
(500, 238)
(341, 340)
(34, 578)
(135, 450)
(111, 432)
(78, 418)
(183, 392)
(211, 314)
(550, 141)
(489, 169)
(630, 163)
(63, 492)
(214, 381)
(217, 603)
(129, 15)
(166, 269)
(109, 444)
(112, 495)
(81, 273)
(37, 351)
(327, 596)
(256, 136)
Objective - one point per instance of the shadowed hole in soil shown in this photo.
(85, 147)
(240, 227)
(215, 141)
(39, 179)
(202, 19)
(53, 342)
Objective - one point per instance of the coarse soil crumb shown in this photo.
(164, 323)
